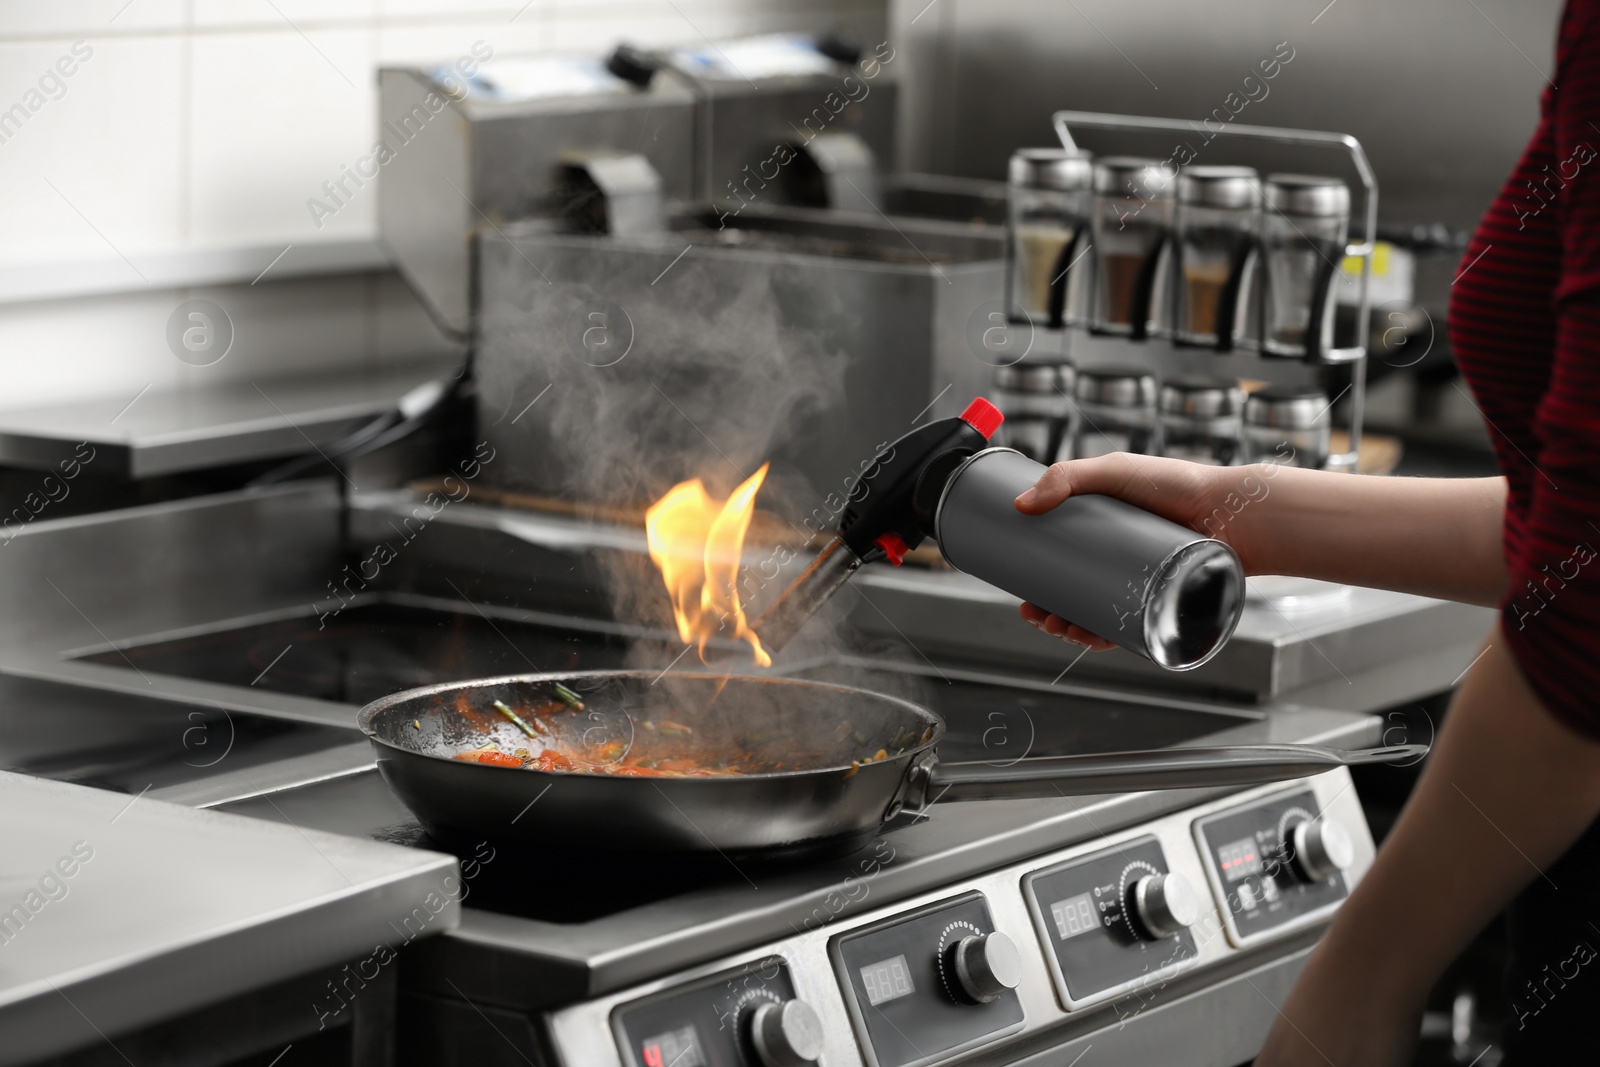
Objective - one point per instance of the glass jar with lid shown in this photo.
(1305, 224)
(1047, 206)
(1037, 401)
(1130, 224)
(1217, 217)
(1288, 424)
(1200, 420)
(1116, 411)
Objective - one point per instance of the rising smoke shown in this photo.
(701, 374)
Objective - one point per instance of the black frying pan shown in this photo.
(794, 740)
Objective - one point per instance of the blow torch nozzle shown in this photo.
(890, 510)
(832, 567)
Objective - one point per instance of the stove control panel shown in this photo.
(747, 1016)
(929, 983)
(1113, 920)
(1274, 864)
(1089, 943)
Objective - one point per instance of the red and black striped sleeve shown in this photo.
(1540, 370)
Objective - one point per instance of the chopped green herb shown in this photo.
(415, 725)
(514, 717)
(567, 696)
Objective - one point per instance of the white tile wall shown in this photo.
(274, 114)
(202, 124)
(99, 165)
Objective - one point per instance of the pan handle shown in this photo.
(1138, 771)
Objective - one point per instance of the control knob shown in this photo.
(1165, 904)
(1322, 848)
(787, 1034)
(987, 965)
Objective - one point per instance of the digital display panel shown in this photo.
(1239, 859)
(886, 980)
(1074, 916)
(675, 1048)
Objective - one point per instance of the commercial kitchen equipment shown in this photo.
(1331, 651)
(159, 433)
(748, 766)
(479, 153)
(767, 162)
(231, 625)
(195, 935)
(225, 670)
(822, 97)
(798, 336)
(526, 136)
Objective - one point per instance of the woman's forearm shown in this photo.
(1507, 789)
(1438, 537)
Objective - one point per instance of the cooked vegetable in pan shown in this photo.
(673, 751)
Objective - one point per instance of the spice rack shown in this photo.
(1350, 359)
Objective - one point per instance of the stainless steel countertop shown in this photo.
(163, 432)
(1277, 654)
(167, 908)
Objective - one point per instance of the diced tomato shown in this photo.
(551, 760)
(490, 755)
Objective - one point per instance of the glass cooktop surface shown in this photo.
(375, 648)
(370, 650)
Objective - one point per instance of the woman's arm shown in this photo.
(1435, 536)
(1438, 537)
(1507, 789)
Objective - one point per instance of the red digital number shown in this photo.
(652, 1056)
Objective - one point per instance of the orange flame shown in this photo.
(697, 544)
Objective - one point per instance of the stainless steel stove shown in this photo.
(1153, 926)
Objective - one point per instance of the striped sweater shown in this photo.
(1525, 326)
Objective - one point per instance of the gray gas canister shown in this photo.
(1131, 577)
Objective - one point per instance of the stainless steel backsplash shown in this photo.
(1443, 94)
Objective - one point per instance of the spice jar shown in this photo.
(1200, 420)
(1047, 205)
(1217, 218)
(1305, 223)
(1288, 424)
(1037, 401)
(1130, 223)
(1116, 412)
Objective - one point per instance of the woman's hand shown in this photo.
(1209, 500)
